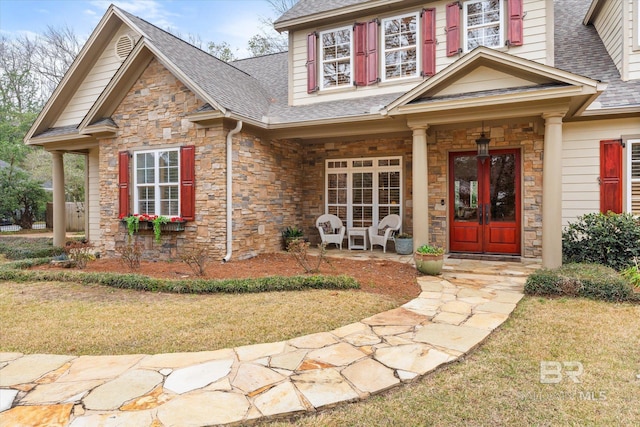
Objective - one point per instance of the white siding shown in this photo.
(534, 48)
(93, 84)
(581, 162)
(632, 19)
(93, 202)
(608, 23)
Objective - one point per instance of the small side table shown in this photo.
(356, 234)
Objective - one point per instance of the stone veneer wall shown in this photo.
(152, 115)
(518, 135)
(313, 204)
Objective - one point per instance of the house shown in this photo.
(378, 107)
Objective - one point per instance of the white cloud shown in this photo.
(90, 12)
(150, 10)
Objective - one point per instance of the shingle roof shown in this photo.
(257, 88)
(579, 50)
(232, 88)
(310, 7)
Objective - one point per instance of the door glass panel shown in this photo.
(465, 175)
(503, 188)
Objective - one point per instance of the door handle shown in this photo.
(480, 214)
(487, 209)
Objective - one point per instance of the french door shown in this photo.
(485, 213)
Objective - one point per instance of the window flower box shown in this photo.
(158, 224)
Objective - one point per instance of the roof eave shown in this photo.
(82, 56)
(593, 11)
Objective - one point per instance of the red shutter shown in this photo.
(187, 182)
(372, 52)
(453, 28)
(123, 183)
(312, 69)
(428, 42)
(611, 176)
(360, 45)
(514, 36)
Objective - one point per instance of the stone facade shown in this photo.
(266, 174)
(314, 173)
(529, 138)
(280, 183)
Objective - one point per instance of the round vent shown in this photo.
(124, 45)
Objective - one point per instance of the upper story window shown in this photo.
(157, 182)
(483, 24)
(336, 61)
(400, 49)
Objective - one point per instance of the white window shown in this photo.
(633, 176)
(483, 24)
(363, 191)
(157, 182)
(399, 42)
(336, 65)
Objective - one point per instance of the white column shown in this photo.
(59, 215)
(420, 176)
(552, 191)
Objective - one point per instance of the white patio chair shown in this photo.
(385, 231)
(331, 229)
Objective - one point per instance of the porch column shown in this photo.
(552, 191)
(59, 220)
(420, 174)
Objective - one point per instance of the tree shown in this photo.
(55, 51)
(222, 51)
(22, 197)
(269, 40)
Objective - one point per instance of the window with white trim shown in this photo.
(633, 176)
(336, 63)
(363, 191)
(400, 47)
(483, 24)
(157, 182)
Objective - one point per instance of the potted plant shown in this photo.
(429, 259)
(289, 234)
(404, 244)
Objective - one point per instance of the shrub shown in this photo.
(300, 251)
(632, 274)
(584, 280)
(80, 252)
(130, 254)
(196, 259)
(612, 240)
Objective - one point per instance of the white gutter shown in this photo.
(237, 129)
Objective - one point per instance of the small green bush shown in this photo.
(612, 240)
(580, 280)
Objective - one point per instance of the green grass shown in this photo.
(499, 384)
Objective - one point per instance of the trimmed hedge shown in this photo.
(194, 286)
(580, 280)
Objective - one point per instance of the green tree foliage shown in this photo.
(222, 51)
(608, 239)
(22, 197)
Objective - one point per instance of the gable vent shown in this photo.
(124, 46)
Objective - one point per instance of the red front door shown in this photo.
(484, 214)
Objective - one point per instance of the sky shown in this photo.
(231, 21)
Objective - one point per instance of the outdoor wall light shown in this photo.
(483, 146)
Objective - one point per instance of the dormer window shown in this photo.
(483, 24)
(336, 60)
(400, 50)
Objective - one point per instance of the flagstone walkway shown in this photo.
(453, 314)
